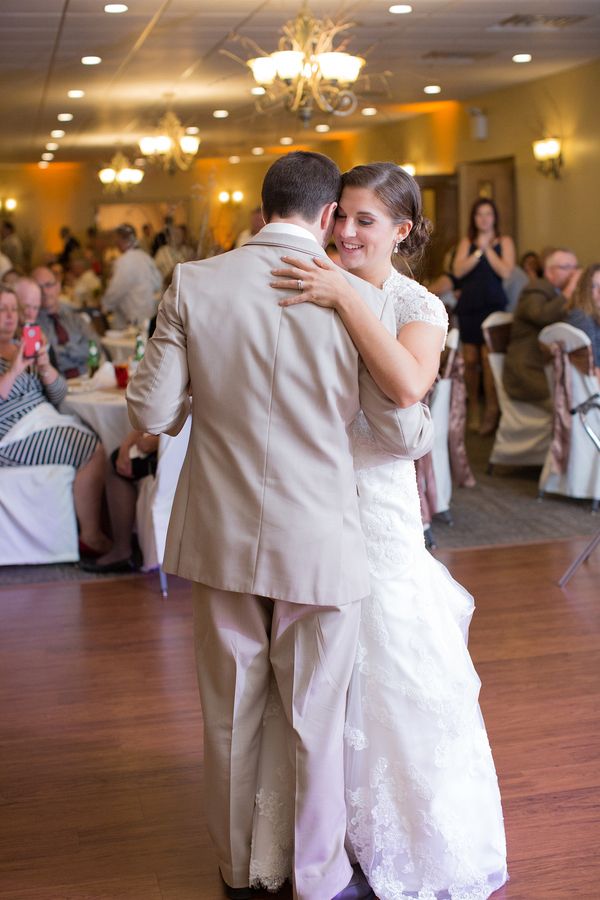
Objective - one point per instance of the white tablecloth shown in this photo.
(105, 411)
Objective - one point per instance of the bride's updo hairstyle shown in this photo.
(401, 195)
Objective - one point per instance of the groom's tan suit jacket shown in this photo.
(266, 502)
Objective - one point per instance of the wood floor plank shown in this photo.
(101, 732)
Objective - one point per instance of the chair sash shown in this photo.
(459, 461)
(561, 360)
(426, 487)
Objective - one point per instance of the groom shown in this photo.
(265, 519)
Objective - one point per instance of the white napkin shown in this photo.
(103, 378)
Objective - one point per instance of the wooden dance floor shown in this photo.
(101, 734)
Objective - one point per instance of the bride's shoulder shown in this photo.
(413, 302)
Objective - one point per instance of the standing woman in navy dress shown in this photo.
(483, 260)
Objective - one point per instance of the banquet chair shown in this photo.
(525, 429)
(572, 464)
(155, 499)
(37, 515)
(447, 459)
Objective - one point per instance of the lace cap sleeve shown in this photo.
(414, 303)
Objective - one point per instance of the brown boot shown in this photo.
(471, 356)
(491, 412)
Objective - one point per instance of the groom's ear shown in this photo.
(327, 217)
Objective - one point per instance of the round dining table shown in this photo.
(103, 410)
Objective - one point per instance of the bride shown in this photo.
(424, 818)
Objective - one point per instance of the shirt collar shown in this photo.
(288, 228)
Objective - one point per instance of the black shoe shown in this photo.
(119, 567)
(358, 888)
(243, 893)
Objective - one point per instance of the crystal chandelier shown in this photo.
(307, 72)
(172, 147)
(120, 175)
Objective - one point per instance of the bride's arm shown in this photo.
(405, 367)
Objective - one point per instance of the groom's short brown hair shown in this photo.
(300, 183)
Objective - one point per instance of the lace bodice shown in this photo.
(412, 303)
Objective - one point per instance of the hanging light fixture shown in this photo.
(120, 175)
(307, 71)
(171, 147)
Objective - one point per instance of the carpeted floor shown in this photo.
(501, 509)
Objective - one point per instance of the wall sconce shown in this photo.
(234, 197)
(479, 124)
(548, 156)
(410, 168)
(8, 204)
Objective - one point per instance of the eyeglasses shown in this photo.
(566, 266)
(47, 284)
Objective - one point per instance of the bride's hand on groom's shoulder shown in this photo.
(317, 281)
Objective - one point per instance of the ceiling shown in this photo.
(161, 49)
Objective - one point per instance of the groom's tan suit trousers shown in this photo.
(265, 521)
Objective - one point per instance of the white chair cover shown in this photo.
(582, 476)
(155, 497)
(37, 516)
(525, 429)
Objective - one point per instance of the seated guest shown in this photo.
(133, 290)
(5, 265)
(29, 298)
(583, 309)
(541, 303)
(531, 264)
(68, 333)
(70, 243)
(11, 277)
(28, 399)
(132, 461)
(173, 252)
(84, 286)
(10, 244)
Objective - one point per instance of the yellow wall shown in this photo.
(548, 211)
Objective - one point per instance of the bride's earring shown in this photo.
(398, 242)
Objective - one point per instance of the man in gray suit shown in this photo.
(265, 519)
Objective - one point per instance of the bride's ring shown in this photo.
(300, 285)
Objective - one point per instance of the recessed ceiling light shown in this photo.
(322, 129)
(400, 9)
(51, 146)
(193, 129)
(47, 156)
(75, 95)
(57, 133)
(43, 164)
(221, 113)
(115, 8)
(432, 89)
(91, 60)
(65, 117)
(257, 151)
(522, 57)
(286, 141)
(234, 160)
(369, 111)
(258, 91)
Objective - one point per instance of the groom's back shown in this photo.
(267, 500)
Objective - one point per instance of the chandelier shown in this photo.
(120, 175)
(307, 71)
(172, 147)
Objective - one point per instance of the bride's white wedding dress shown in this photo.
(424, 818)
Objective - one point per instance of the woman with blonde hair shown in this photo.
(583, 309)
